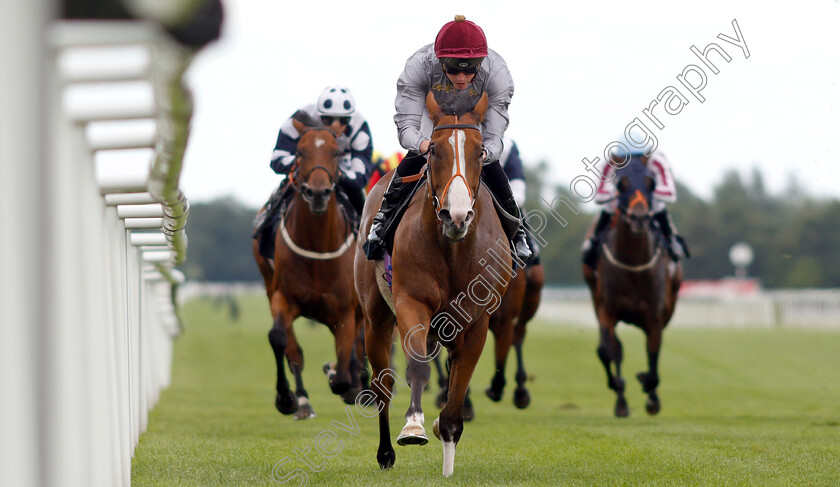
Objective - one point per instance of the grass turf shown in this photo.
(739, 407)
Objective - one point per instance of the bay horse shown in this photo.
(508, 325)
(635, 282)
(451, 264)
(311, 274)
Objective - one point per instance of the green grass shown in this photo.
(739, 407)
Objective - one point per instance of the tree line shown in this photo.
(795, 237)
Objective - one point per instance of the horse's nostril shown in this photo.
(445, 216)
(469, 217)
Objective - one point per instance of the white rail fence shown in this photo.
(817, 308)
(87, 258)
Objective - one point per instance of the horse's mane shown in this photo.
(457, 102)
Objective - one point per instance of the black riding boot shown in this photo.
(590, 246)
(271, 206)
(672, 238)
(392, 200)
(499, 185)
(356, 198)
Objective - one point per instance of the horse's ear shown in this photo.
(432, 106)
(481, 107)
(301, 120)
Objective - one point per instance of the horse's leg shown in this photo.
(284, 313)
(345, 337)
(417, 371)
(443, 383)
(364, 373)
(610, 351)
(378, 341)
(294, 356)
(521, 397)
(449, 426)
(650, 379)
(503, 332)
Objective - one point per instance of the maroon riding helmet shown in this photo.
(460, 39)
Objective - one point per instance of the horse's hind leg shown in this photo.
(610, 351)
(285, 401)
(650, 379)
(418, 371)
(443, 381)
(346, 364)
(521, 397)
(503, 331)
(294, 356)
(378, 340)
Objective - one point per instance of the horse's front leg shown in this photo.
(521, 396)
(650, 379)
(284, 314)
(413, 321)
(449, 426)
(294, 356)
(610, 351)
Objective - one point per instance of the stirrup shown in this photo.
(520, 246)
(374, 247)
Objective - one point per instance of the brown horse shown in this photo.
(508, 324)
(451, 264)
(311, 274)
(635, 281)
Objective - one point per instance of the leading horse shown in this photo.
(451, 264)
(635, 282)
(311, 274)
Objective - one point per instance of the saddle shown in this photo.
(267, 222)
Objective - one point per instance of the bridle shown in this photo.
(638, 196)
(300, 183)
(437, 201)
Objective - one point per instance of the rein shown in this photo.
(438, 202)
(632, 268)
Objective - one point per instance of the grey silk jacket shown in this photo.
(423, 73)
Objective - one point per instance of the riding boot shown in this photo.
(356, 199)
(590, 245)
(673, 240)
(392, 200)
(498, 183)
(271, 206)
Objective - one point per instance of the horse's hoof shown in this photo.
(622, 410)
(339, 388)
(468, 412)
(350, 396)
(652, 406)
(493, 395)
(416, 436)
(521, 398)
(286, 402)
(440, 400)
(305, 410)
(436, 428)
(386, 458)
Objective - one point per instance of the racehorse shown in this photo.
(451, 264)
(311, 274)
(635, 282)
(508, 324)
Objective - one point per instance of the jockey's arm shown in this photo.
(357, 166)
(283, 156)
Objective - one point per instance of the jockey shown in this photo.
(355, 146)
(665, 192)
(458, 60)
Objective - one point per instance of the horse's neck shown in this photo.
(316, 232)
(632, 248)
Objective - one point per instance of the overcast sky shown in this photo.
(582, 70)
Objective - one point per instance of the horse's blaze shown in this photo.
(458, 200)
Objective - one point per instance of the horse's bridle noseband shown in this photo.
(437, 202)
(298, 182)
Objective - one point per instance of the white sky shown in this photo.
(582, 70)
